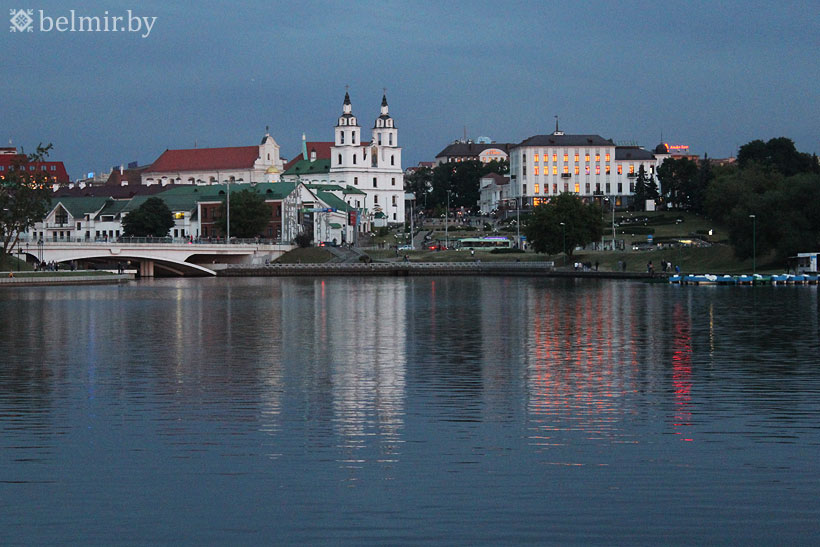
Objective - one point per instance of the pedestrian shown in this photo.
(596, 265)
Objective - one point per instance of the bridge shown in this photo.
(153, 256)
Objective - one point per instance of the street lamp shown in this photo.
(228, 240)
(446, 222)
(564, 234)
(754, 243)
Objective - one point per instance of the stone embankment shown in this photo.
(36, 280)
(401, 269)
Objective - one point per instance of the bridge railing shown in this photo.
(151, 241)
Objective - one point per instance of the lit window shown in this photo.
(554, 169)
(566, 169)
(597, 157)
(555, 158)
(631, 168)
(607, 169)
(535, 158)
(577, 169)
(566, 158)
(576, 158)
(587, 170)
(606, 157)
(537, 188)
(535, 172)
(577, 188)
(586, 158)
(620, 169)
(597, 169)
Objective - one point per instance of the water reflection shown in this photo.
(432, 396)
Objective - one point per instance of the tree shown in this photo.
(640, 193)
(249, 214)
(419, 183)
(677, 178)
(24, 198)
(582, 225)
(462, 179)
(151, 219)
(777, 154)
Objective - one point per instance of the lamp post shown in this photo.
(228, 239)
(564, 235)
(754, 243)
(446, 222)
(517, 223)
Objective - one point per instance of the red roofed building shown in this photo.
(10, 159)
(217, 165)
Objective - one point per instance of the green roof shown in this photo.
(185, 198)
(325, 187)
(335, 225)
(352, 190)
(307, 167)
(80, 206)
(332, 200)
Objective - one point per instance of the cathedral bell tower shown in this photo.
(348, 132)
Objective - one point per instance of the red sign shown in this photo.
(352, 218)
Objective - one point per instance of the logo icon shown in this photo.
(21, 20)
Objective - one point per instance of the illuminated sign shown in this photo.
(678, 148)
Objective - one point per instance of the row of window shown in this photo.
(577, 188)
(375, 181)
(373, 162)
(535, 157)
(32, 168)
(353, 138)
(577, 169)
(376, 202)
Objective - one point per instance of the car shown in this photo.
(406, 248)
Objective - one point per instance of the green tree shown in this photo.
(24, 198)
(640, 194)
(419, 183)
(582, 225)
(777, 154)
(678, 179)
(462, 179)
(249, 214)
(151, 219)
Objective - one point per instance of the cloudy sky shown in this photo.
(712, 75)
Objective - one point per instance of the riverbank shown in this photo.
(29, 279)
(403, 269)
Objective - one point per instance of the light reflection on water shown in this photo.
(442, 410)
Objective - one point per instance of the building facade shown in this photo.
(466, 150)
(589, 166)
(202, 166)
(373, 166)
(10, 159)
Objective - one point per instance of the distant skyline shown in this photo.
(697, 73)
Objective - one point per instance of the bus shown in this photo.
(471, 243)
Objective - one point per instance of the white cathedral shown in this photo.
(373, 167)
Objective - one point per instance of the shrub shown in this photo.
(304, 239)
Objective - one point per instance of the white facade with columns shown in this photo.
(373, 165)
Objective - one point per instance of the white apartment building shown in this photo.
(589, 166)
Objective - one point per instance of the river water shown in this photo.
(448, 411)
